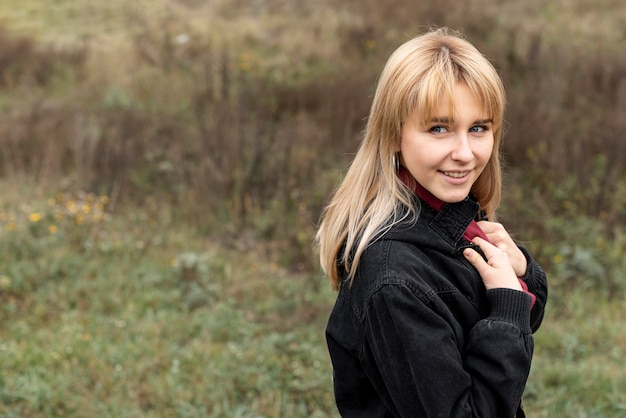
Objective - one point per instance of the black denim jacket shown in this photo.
(418, 335)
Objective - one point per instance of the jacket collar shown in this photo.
(453, 219)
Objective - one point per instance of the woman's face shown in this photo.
(447, 155)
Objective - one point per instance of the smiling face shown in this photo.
(448, 153)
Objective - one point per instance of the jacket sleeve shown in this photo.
(423, 370)
(537, 282)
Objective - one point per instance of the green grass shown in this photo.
(578, 366)
(129, 316)
(133, 315)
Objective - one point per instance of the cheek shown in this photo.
(485, 151)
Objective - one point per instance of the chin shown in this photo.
(455, 198)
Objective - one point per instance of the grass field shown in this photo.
(133, 315)
(136, 289)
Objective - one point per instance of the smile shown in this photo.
(456, 174)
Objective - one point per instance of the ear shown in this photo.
(396, 145)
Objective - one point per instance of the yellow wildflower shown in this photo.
(34, 217)
(53, 229)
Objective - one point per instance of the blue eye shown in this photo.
(479, 129)
(438, 129)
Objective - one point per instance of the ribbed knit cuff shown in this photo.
(510, 305)
(529, 273)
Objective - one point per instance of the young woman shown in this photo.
(436, 304)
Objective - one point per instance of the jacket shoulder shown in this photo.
(384, 266)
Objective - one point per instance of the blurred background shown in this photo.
(163, 166)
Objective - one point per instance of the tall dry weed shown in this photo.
(246, 115)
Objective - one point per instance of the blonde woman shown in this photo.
(436, 304)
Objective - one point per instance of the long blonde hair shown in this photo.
(418, 76)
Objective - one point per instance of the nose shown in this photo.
(462, 150)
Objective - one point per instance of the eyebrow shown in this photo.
(447, 120)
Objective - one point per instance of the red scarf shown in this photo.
(473, 229)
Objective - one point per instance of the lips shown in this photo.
(456, 174)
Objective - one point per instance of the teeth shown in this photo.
(455, 174)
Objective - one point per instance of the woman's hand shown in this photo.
(501, 239)
(497, 271)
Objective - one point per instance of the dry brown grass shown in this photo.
(250, 110)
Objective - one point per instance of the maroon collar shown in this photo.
(408, 179)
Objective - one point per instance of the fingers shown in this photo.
(498, 235)
(495, 232)
(488, 249)
(497, 271)
(488, 226)
(475, 258)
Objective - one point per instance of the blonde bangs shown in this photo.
(436, 90)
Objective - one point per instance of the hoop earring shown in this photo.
(396, 162)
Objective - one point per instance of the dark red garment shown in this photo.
(473, 229)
